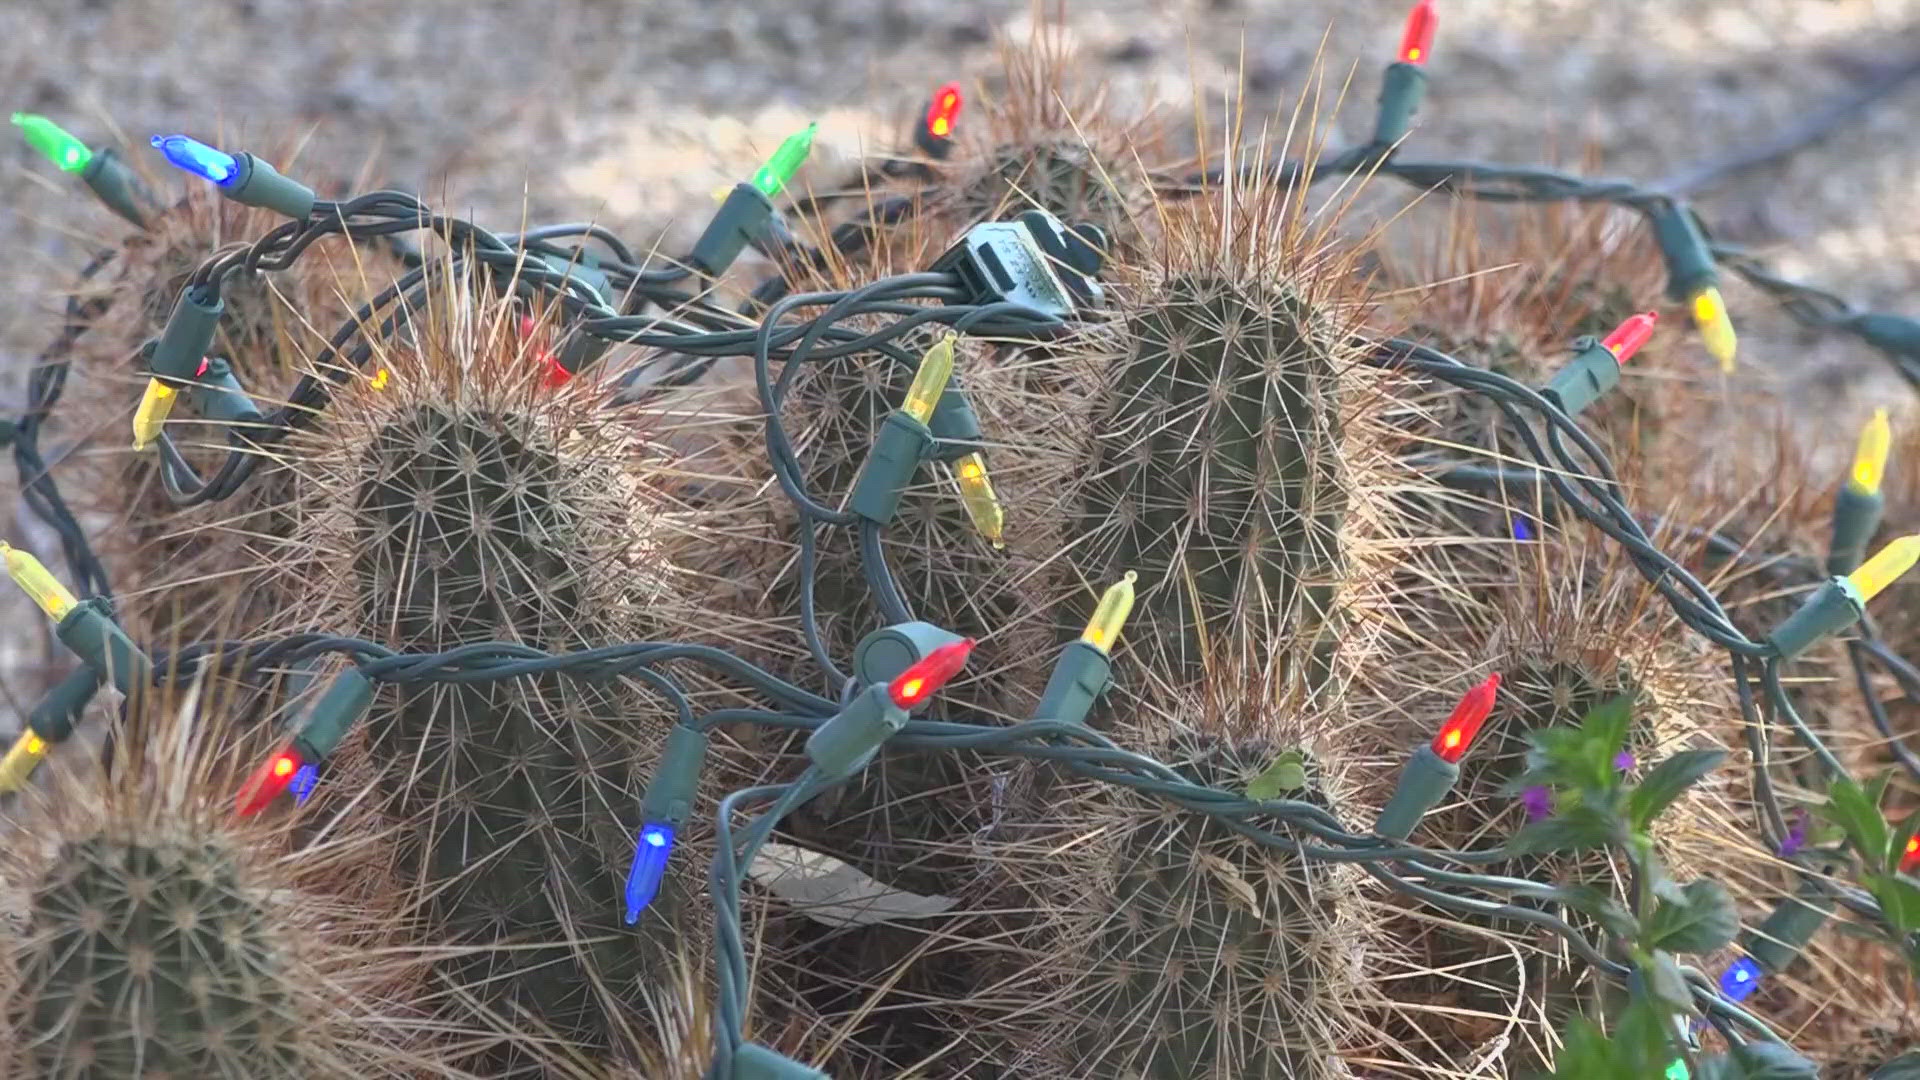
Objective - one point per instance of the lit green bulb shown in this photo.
(53, 141)
(785, 162)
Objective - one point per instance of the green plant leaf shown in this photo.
(1602, 907)
(1606, 729)
(1704, 920)
(1585, 1053)
(1579, 828)
(1899, 901)
(1666, 782)
(1774, 1061)
(1665, 981)
(1857, 812)
(1287, 773)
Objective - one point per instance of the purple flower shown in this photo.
(1538, 802)
(1624, 761)
(1796, 837)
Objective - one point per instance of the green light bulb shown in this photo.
(52, 140)
(784, 163)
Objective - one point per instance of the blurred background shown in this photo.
(633, 113)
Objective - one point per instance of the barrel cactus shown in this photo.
(181, 572)
(157, 935)
(457, 498)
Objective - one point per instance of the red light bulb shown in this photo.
(1457, 734)
(912, 687)
(1910, 858)
(1627, 338)
(1418, 40)
(944, 111)
(556, 372)
(268, 781)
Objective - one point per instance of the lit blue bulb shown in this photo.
(1738, 981)
(1521, 530)
(198, 158)
(650, 854)
(303, 783)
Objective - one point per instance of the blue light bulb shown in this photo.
(650, 854)
(1521, 530)
(198, 158)
(1738, 981)
(303, 783)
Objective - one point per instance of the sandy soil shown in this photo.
(633, 112)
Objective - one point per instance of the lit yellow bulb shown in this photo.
(976, 494)
(37, 582)
(1870, 460)
(1104, 628)
(936, 367)
(1716, 329)
(21, 759)
(1885, 567)
(380, 379)
(155, 405)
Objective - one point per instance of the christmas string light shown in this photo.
(1858, 505)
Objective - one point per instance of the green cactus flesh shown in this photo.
(152, 959)
(1213, 958)
(522, 791)
(1217, 472)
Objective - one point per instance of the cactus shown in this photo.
(464, 501)
(158, 936)
(201, 560)
(1570, 624)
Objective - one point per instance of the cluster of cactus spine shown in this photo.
(463, 500)
(184, 571)
(159, 936)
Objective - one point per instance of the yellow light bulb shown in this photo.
(155, 405)
(1870, 460)
(25, 754)
(1716, 329)
(380, 379)
(936, 367)
(1104, 628)
(1886, 566)
(37, 582)
(976, 494)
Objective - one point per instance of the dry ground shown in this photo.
(632, 112)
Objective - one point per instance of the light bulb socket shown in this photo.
(1424, 781)
(340, 706)
(897, 451)
(1402, 89)
(1079, 677)
(217, 394)
(1592, 372)
(187, 337)
(882, 655)
(755, 1062)
(55, 714)
(116, 186)
(89, 630)
(954, 425)
(1891, 333)
(844, 744)
(741, 219)
(1856, 516)
(1833, 607)
(1683, 244)
(934, 146)
(582, 269)
(258, 183)
(1790, 926)
(676, 779)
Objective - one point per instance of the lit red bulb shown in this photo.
(1627, 338)
(912, 687)
(1417, 42)
(268, 781)
(1910, 858)
(557, 374)
(1458, 733)
(944, 111)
